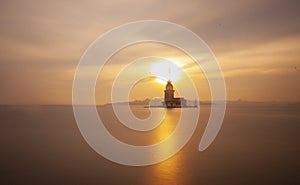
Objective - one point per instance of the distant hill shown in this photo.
(157, 102)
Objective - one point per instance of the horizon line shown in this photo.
(109, 103)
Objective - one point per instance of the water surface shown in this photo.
(258, 144)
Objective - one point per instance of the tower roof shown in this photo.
(169, 83)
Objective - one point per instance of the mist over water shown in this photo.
(257, 144)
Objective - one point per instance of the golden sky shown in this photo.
(256, 42)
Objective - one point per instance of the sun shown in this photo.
(165, 70)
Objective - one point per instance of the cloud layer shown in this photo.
(41, 42)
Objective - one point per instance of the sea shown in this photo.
(259, 143)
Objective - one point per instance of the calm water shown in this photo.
(258, 144)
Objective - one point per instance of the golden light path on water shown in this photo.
(167, 172)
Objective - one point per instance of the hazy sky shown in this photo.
(257, 43)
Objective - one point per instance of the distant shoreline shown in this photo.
(142, 103)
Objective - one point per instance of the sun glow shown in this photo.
(165, 70)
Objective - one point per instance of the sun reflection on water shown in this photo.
(168, 172)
